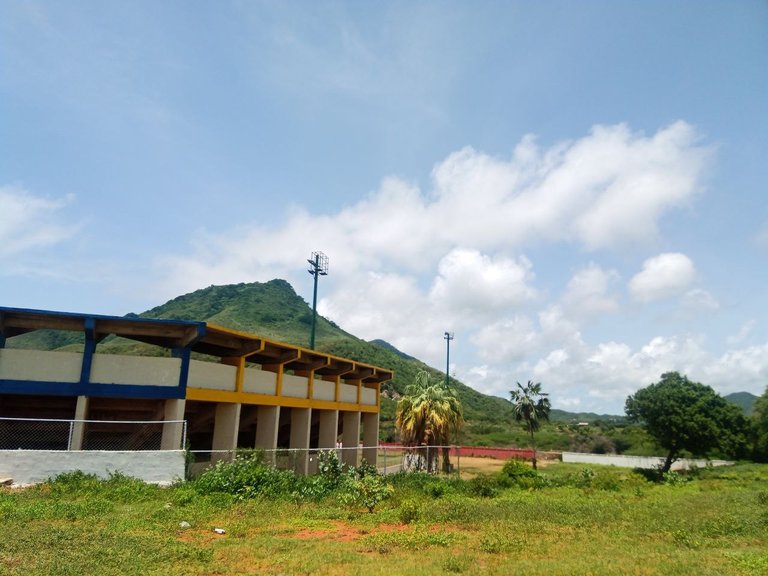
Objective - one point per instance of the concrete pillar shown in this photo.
(77, 434)
(329, 428)
(370, 437)
(225, 428)
(301, 424)
(173, 432)
(267, 425)
(350, 437)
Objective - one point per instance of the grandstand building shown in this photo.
(210, 387)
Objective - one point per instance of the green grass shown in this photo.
(598, 521)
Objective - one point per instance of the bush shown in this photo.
(483, 486)
(367, 491)
(518, 474)
(409, 512)
(247, 477)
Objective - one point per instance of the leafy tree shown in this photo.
(760, 421)
(530, 405)
(428, 414)
(682, 415)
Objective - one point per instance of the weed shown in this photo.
(409, 512)
(457, 564)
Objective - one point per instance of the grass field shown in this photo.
(582, 521)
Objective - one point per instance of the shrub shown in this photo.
(517, 473)
(247, 477)
(483, 486)
(367, 491)
(409, 512)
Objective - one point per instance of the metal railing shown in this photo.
(60, 434)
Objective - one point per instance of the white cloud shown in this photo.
(473, 284)
(507, 340)
(605, 189)
(610, 371)
(587, 292)
(743, 334)
(28, 221)
(663, 276)
(699, 300)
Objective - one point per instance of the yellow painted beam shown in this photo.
(208, 395)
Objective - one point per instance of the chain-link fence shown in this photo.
(389, 459)
(55, 434)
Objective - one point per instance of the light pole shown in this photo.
(318, 267)
(448, 337)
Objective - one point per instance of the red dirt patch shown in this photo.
(343, 532)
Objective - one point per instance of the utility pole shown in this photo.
(448, 337)
(318, 267)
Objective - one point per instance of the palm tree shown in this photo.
(530, 405)
(428, 414)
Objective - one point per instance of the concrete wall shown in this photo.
(33, 466)
(324, 390)
(348, 393)
(368, 396)
(257, 381)
(637, 461)
(115, 369)
(295, 386)
(212, 376)
(34, 365)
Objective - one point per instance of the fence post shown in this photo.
(71, 433)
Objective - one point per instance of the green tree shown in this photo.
(760, 421)
(428, 414)
(531, 406)
(681, 415)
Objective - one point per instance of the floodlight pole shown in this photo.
(318, 267)
(448, 337)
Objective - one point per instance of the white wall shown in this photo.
(40, 366)
(211, 376)
(257, 381)
(324, 390)
(33, 466)
(116, 369)
(348, 393)
(295, 386)
(368, 396)
(636, 461)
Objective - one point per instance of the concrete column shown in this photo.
(370, 437)
(173, 432)
(267, 425)
(350, 437)
(329, 429)
(301, 423)
(225, 428)
(78, 428)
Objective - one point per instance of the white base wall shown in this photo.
(34, 466)
(637, 461)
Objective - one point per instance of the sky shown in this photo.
(576, 190)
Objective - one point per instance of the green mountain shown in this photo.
(743, 400)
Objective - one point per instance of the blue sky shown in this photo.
(575, 189)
